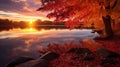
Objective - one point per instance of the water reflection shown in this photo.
(18, 32)
(26, 42)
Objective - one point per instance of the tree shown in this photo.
(74, 12)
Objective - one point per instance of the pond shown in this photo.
(18, 42)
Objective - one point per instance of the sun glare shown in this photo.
(30, 30)
(31, 21)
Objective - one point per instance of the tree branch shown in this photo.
(115, 3)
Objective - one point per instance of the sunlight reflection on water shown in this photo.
(56, 32)
(26, 42)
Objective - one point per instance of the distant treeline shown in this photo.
(9, 23)
(6, 22)
(47, 22)
(24, 24)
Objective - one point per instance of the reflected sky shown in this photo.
(26, 42)
(14, 33)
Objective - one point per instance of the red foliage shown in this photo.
(67, 59)
(70, 10)
(74, 10)
(111, 45)
(59, 48)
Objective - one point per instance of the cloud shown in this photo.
(37, 1)
(18, 16)
(19, 0)
(21, 9)
(21, 49)
(8, 5)
(18, 5)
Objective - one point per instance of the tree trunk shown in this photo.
(108, 27)
(107, 19)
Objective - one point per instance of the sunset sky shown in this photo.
(21, 10)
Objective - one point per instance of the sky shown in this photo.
(21, 10)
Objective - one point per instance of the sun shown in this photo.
(31, 21)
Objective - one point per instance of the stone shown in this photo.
(50, 56)
(107, 61)
(83, 50)
(87, 53)
(43, 63)
(108, 53)
(98, 31)
(18, 61)
(88, 57)
(72, 50)
(79, 50)
(35, 63)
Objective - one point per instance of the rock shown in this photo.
(88, 57)
(72, 50)
(50, 56)
(83, 50)
(43, 63)
(35, 63)
(102, 37)
(107, 61)
(107, 53)
(87, 53)
(98, 31)
(79, 50)
(18, 61)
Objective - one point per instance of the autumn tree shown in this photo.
(75, 12)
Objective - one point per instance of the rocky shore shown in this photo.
(74, 57)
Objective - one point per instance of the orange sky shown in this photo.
(21, 10)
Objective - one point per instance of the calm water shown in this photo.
(26, 42)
